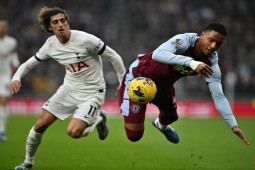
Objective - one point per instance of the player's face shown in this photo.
(211, 41)
(3, 27)
(59, 25)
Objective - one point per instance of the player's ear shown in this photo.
(202, 34)
(50, 28)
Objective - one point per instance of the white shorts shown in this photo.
(5, 86)
(81, 105)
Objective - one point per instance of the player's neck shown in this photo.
(198, 48)
(63, 39)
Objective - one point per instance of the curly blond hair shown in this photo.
(45, 15)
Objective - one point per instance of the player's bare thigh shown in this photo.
(76, 128)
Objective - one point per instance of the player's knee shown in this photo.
(134, 136)
(44, 121)
(74, 133)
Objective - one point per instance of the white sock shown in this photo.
(33, 141)
(91, 128)
(160, 126)
(3, 118)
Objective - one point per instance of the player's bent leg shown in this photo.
(76, 128)
(134, 131)
(134, 124)
(34, 138)
(169, 132)
(44, 121)
(167, 117)
(162, 124)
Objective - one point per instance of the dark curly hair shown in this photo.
(45, 15)
(218, 27)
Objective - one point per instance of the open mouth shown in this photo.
(61, 30)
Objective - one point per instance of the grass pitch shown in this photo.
(204, 144)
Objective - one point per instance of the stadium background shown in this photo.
(133, 27)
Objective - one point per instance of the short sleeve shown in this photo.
(43, 53)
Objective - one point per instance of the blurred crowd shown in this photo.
(139, 26)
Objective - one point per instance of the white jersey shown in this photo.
(8, 56)
(81, 56)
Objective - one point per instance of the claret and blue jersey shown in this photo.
(171, 61)
(181, 50)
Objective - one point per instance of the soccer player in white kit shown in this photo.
(83, 91)
(9, 62)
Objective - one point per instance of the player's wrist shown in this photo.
(193, 64)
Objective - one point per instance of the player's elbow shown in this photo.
(154, 55)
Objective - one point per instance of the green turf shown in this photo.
(205, 144)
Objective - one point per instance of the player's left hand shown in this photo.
(240, 134)
(204, 70)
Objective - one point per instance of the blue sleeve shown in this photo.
(168, 51)
(221, 103)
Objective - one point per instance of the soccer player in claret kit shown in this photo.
(83, 90)
(183, 55)
(9, 63)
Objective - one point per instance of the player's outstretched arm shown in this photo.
(116, 61)
(240, 134)
(224, 109)
(22, 70)
(15, 86)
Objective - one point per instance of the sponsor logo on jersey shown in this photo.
(185, 71)
(135, 108)
(77, 66)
